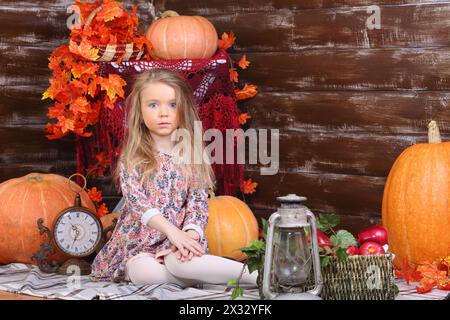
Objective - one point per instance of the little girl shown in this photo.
(160, 235)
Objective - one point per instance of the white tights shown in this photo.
(205, 269)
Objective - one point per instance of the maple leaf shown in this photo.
(54, 131)
(57, 85)
(102, 210)
(243, 117)
(234, 75)
(248, 186)
(110, 10)
(243, 63)
(84, 68)
(95, 195)
(80, 105)
(249, 91)
(444, 285)
(113, 86)
(56, 111)
(226, 41)
(84, 49)
(408, 273)
(65, 124)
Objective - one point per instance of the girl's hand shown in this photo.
(184, 243)
(194, 235)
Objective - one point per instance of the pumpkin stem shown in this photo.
(169, 13)
(433, 133)
(211, 193)
(35, 178)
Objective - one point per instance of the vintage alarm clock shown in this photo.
(77, 232)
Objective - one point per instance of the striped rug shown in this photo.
(28, 279)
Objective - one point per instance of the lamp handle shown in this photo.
(315, 251)
(268, 257)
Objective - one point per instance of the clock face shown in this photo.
(77, 233)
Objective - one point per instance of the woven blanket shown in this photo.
(28, 279)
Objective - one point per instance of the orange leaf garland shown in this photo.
(243, 63)
(249, 91)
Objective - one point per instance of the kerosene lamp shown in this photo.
(291, 252)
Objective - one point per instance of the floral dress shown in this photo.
(165, 191)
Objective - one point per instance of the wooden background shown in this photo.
(347, 100)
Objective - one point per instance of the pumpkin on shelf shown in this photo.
(23, 201)
(231, 226)
(182, 37)
(416, 201)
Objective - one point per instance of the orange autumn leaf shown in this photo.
(110, 10)
(249, 91)
(95, 195)
(226, 41)
(243, 63)
(248, 186)
(243, 117)
(113, 86)
(102, 210)
(84, 49)
(65, 124)
(80, 105)
(234, 75)
(408, 273)
(84, 68)
(54, 131)
(56, 111)
(56, 86)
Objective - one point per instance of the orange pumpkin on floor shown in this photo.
(416, 201)
(182, 37)
(231, 226)
(23, 201)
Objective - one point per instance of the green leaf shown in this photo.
(254, 264)
(232, 282)
(237, 292)
(324, 261)
(327, 221)
(343, 239)
(265, 225)
(341, 254)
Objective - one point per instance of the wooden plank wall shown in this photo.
(347, 100)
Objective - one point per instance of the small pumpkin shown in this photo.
(182, 37)
(231, 226)
(23, 201)
(416, 201)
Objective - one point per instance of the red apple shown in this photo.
(371, 247)
(375, 233)
(352, 251)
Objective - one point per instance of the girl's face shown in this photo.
(159, 109)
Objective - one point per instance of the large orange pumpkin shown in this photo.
(23, 201)
(231, 226)
(416, 201)
(182, 37)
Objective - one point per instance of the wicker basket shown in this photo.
(361, 277)
(112, 52)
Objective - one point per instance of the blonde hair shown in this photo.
(138, 146)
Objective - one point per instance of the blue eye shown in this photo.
(153, 105)
(173, 105)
